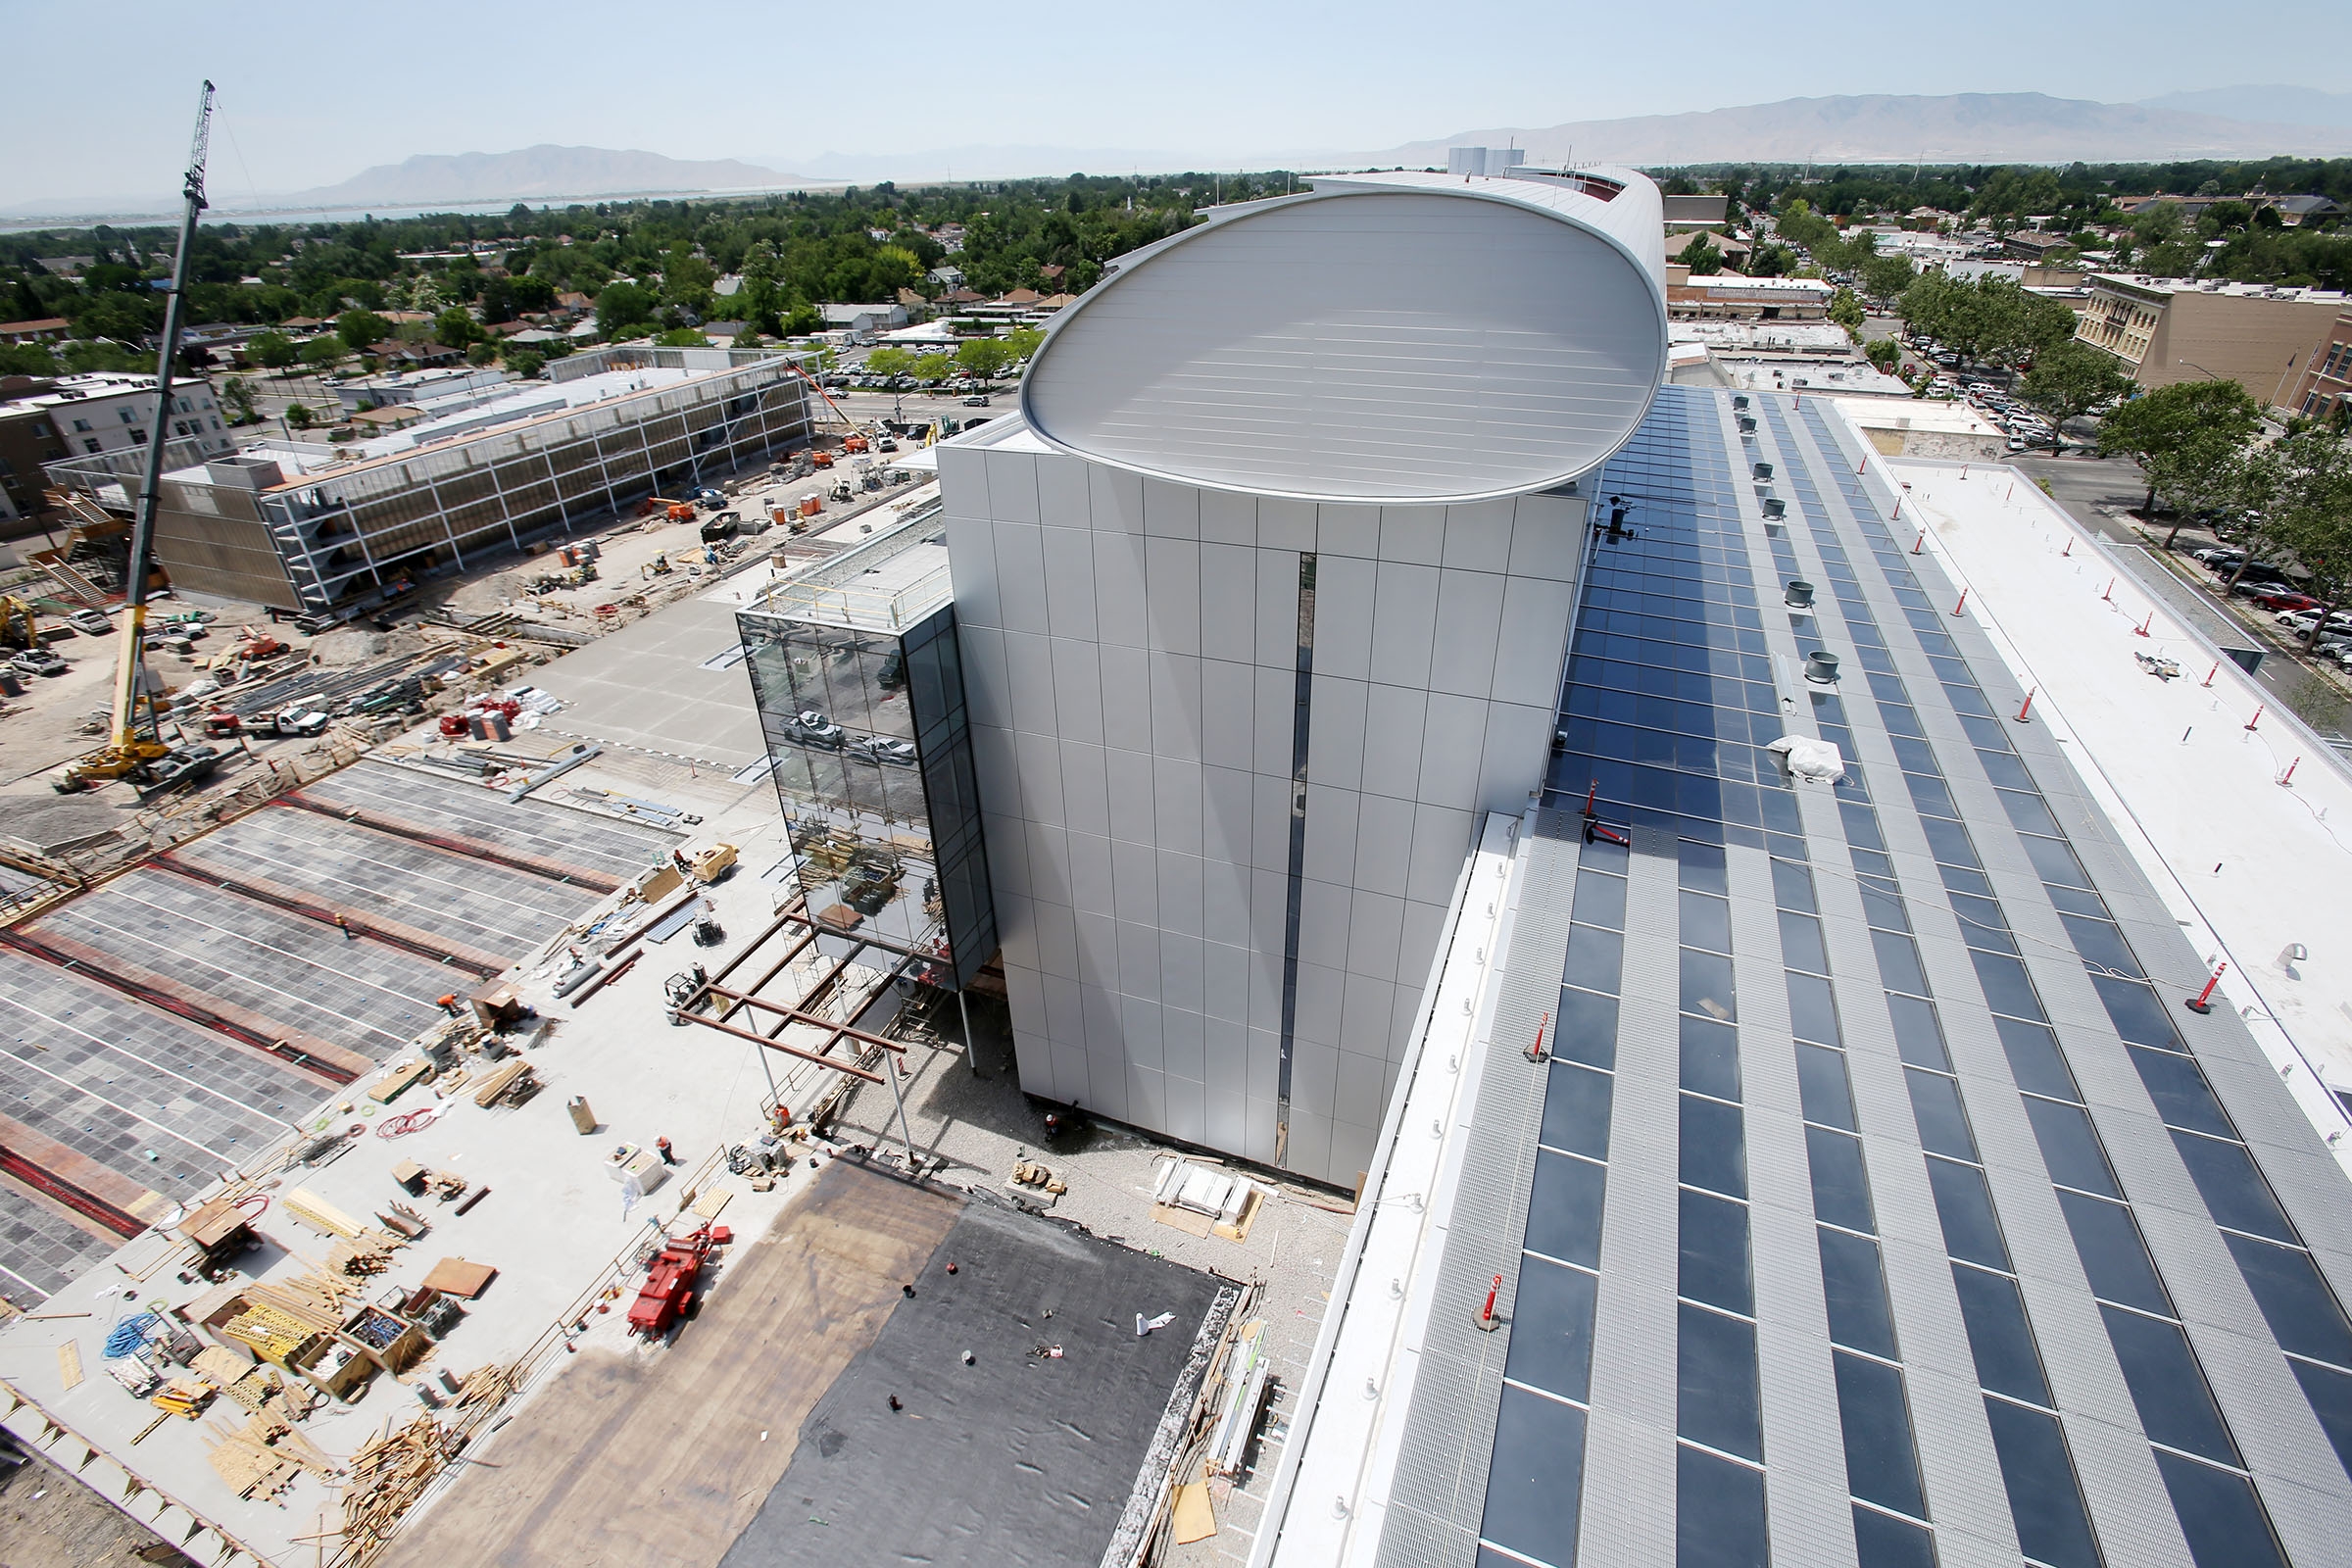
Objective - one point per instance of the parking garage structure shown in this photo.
(308, 527)
(179, 1021)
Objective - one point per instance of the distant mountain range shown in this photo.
(1873, 128)
(1888, 128)
(537, 174)
(977, 162)
(2277, 106)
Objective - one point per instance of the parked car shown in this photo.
(815, 728)
(38, 662)
(2300, 621)
(94, 622)
(980, 400)
(2282, 599)
(186, 764)
(883, 749)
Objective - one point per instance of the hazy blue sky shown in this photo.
(101, 102)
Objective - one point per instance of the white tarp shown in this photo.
(1806, 758)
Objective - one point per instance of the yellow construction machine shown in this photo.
(129, 754)
(18, 629)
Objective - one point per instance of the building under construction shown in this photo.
(313, 525)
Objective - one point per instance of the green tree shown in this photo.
(2071, 378)
(682, 337)
(1884, 352)
(82, 357)
(454, 328)
(2204, 476)
(1771, 261)
(2309, 488)
(622, 307)
(298, 416)
(361, 330)
(1799, 224)
(932, 368)
(272, 350)
(1702, 256)
(524, 363)
(324, 349)
(889, 361)
(984, 357)
(483, 353)
(1884, 278)
(532, 295)
(2151, 426)
(1847, 310)
(236, 398)
(26, 359)
(1023, 342)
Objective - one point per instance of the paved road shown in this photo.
(2096, 492)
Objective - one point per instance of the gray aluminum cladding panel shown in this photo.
(1426, 343)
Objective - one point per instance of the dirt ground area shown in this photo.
(659, 1458)
(48, 1519)
(41, 729)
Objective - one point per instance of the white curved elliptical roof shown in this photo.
(1398, 338)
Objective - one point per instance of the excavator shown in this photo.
(146, 759)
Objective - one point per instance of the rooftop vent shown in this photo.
(1763, 471)
(1774, 507)
(1821, 668)
(1800, 594)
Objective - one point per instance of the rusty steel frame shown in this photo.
(792, 1015)
(851, 1070)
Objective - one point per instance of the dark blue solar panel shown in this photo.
(2044, 1500)
(1719, 1514)
(1551, 1328)
(1534, 1479)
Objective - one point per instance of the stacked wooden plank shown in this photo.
(319, 1214)
(261, 1458)
(388, 1475)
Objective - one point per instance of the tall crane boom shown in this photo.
(131, 657)
(126, 754)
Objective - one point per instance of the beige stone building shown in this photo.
(2177, 330)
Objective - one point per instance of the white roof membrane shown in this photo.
(1386, 338)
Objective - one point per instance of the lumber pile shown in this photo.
(511, 1081)
(258, 1389)
(488, 1385)
(361, 1258)
(262, 1458)
(319, 1214)
(390, 1474)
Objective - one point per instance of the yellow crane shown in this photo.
(127, 753)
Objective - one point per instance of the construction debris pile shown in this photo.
(391, 1472)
